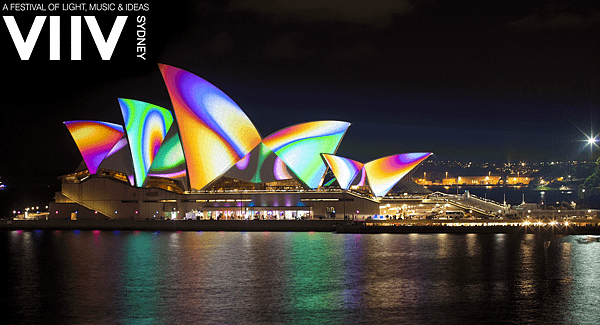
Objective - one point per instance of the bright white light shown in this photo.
(592, 140)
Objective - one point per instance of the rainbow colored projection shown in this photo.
(381, 174)
(95, 140)
(344, 169)
(384, 173)
(261, 165)
(169, 161)
(280, 170)
(300, 147)
(119, 160)
(360, 180)
(146, 125)
(118, 146)
(210, 136)
(215, 132)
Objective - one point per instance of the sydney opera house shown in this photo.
(203, 159)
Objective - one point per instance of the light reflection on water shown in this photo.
(70, 277)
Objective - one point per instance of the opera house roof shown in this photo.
(207, 136)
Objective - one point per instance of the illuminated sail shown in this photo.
(146, 126)
(119, 160)
(169, 161)
(215, 132)
(300, 147)
(95, 140)
(209, 136)
(344, 169)
(361, 179)
(384, 173)
(261, 165)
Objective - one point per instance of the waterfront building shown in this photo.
(479, 180)
(520, 180)
(204, 159)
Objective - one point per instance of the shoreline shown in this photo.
(336, 226)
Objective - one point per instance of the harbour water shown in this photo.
(513, 195)
(132, 277)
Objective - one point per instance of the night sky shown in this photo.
(467, 80)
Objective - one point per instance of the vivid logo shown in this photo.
(25, 45)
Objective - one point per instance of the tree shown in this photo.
(591, 185)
